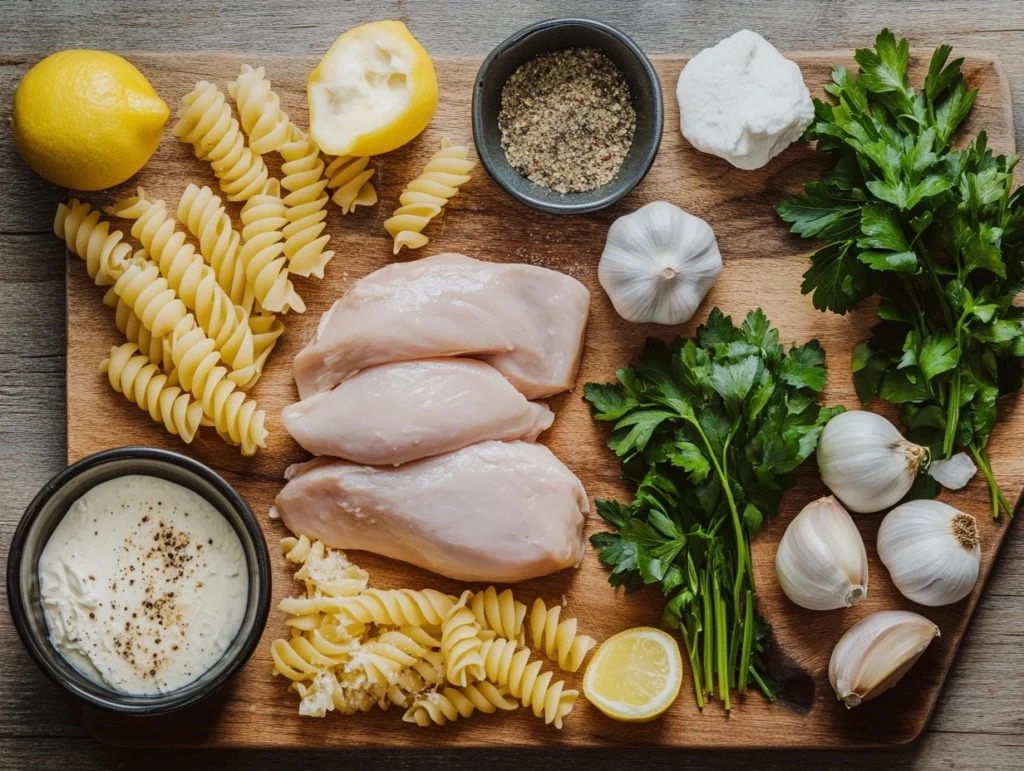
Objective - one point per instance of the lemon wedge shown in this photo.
(374, 90)
(635, 675)
(87, 120)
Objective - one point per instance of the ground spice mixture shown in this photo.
(567, 120)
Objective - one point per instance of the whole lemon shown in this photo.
(87, 120)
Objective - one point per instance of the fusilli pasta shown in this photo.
(425, 197)
(384, 657)
(143, 384)
(501, 613)
(397, 607)
(259, 108)
(104, 251)
(460, 644)
(559, 641)
(506, 665)
(349, 178)
(194, 282)
(304, 180)
(452, 703)
(150, 297)
(204, 216)
(235, 416)
(157, 349)
(262, 255)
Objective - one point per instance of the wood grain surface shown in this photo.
(763, 266)
(977, 723)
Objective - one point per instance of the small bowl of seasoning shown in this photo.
(139, 581)
(567, 115)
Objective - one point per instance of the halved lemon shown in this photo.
(635, 675)
(374, 90)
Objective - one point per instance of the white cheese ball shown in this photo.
(743, 101)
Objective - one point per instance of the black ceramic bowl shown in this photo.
(556, 35)
(49, 507)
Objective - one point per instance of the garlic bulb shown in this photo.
(821, 563)
(658, 263)
(876, 652)
(866, 462)
(931, 550)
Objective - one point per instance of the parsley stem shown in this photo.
(762, 684)
(940, 293)
(748, 639)
(723, 664)
(709, 635)
(952, 415)
(998, 499)
(692, 655)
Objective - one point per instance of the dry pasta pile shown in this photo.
(201, 319)
(438, 657)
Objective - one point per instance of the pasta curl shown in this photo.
(205, 122)
(104, 251)
(235, 416)
(439, 707)
(349, 178)
(460, 644)
(259, 108)
(506, 665)
(501, 613)
(148, 295)
(156, 349)
(262, 255)
(304, 180)
(143, 384)
(425, 197)
(559, 641)
(204, 216)
(397, 607)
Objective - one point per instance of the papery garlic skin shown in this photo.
(658, 263)
(866, 462)
(876, 652)
(821, 562)
(932, 552)
(954, 473)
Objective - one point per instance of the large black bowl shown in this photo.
(556, 35)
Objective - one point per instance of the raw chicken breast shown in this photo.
(494, 511)
(526, 321)
(400, 412)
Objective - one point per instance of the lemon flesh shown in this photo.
(87, 120)
(635, 675)
(374, 91)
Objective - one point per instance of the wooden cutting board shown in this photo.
(763, 267)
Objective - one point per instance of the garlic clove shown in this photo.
(866, 461)
(876, 652)
(658, 264)
(954, 473)
(821, 563)
(931, 550)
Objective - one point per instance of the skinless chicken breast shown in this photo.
(495, 511)
(525, 321)
(404, 411)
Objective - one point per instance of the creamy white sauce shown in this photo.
(144, 585)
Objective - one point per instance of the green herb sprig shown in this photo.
(711, 430)
(936, 233)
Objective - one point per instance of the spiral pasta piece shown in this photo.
(460, 644)
(397, 607)
(235, 416)
(559, 641)
(146, 293)
(452, 703)
(205, 122)
(204, 216)
(194, 282)
(501, 613)
(86, 235)
(349, 178)
(383, 658)
(156, 349)
(303, 171)
(303, 657)
(259, 108)
(262, 255)
(143, 384)
(508, 665)
(425, 197)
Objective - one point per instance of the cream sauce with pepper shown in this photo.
(143, 584)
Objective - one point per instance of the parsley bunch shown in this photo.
(936, 233)
(711, 430)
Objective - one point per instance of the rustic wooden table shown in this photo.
(978, 723)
